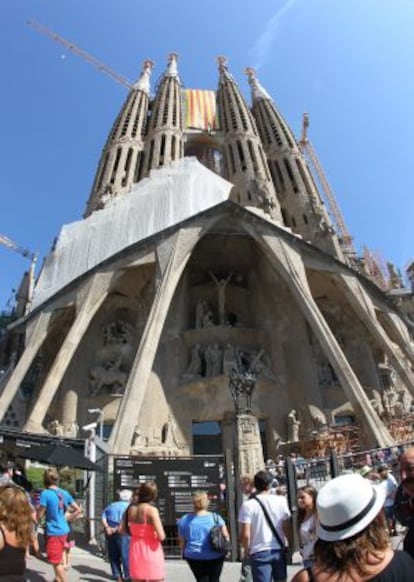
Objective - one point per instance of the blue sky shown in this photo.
(349, 63)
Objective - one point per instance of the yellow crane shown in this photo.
(307, 150)
(70, 46)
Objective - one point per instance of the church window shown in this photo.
(102, 171)
(241, 108)
(127, 118)
(116, 164)
(173, 138)
(224, 112)
(249, 196)
(232, 114)
(304, 177)
(291, 175)
(285, 216)
(264, 162)
(138, 115)
(138, 166)
(232, 160)
(241, 156)
(162, 149)
(176, 105)
(305, 219)
(279, 176)
(151, 153)
(293, 221)
(127, 167)
(252, 155)
(284, 129)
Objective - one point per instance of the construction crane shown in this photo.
(80, 53)
(7, 242)
(313, 161)
(25, 293)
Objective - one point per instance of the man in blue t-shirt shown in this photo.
(118, 544)
(53, 503)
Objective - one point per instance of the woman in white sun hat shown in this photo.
(353, 543)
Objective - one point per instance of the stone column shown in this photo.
(95, 296)
(34, 343)
(363, 306)
(69, 409)
(172, 265)
(289, 264)
(250, 447)
(401, 331)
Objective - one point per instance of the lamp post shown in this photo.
(248, 445)
(242, 385)
(100, 412)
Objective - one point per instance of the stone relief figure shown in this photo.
(262, 365)
(171, 433)
(318, 418)
(118, 332)
(72, 429)
(293, 426)
(405, 399)
(108, 376)
(221, 288)
(208, 362)
(194, 367)
(230, 359)
(376, 402)
(390, 399)
(204, 315)
(216, 358)
(55, 428)
(139, 439)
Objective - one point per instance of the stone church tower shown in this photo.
(206, 248)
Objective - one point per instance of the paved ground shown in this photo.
(86, 566)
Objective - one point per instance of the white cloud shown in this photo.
(262, 46)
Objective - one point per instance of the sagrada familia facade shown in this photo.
(205, 250)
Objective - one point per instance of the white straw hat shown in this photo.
(346, 506)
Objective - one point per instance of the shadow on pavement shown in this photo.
(33, 576)
(90, 573)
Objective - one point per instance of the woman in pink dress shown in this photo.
(146, 556)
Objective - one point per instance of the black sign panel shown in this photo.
(176, 478)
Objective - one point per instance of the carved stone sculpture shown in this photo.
(230, 359)
(216, 357)
(194, 367)
(293, 426)
(221, 289)
(376, 402)
(55, 428)
(109, 376)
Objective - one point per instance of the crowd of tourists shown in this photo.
(344, 529)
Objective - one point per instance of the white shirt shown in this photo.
(261, 536)
(390, 486)
(307, 535)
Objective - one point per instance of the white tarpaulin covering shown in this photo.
(169, 196)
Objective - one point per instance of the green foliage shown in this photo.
(35, 475)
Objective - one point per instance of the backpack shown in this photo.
(217, 540)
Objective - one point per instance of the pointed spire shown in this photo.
(223, 69)
(143, 83)
(172, 69)
(258, 92)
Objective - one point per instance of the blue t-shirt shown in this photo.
(56, 501)
(195, 529)
(114, 512)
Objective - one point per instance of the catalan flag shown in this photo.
(200, 109)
